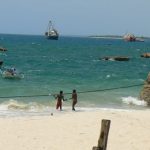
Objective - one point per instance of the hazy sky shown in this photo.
(76, 17)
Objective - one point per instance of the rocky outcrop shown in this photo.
(116, 58)
(146, 55)
(145, 93)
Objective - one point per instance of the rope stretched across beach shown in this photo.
(79, 92)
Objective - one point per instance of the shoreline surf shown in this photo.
(14, 108)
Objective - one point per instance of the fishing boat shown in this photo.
(51, 32)
(129, 37)
(3, 49)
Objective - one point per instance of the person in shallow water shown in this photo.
(74, 99)
(60, 98)
(12, 71)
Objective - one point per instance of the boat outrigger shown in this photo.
(51, 32)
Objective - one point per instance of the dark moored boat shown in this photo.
(3, 49)
(116, 58)
(51, 32)
(1, 62)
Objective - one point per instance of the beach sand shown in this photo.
(129, 130)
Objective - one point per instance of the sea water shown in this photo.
(71, 63)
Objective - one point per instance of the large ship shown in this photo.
(51, 32)
(129, 37)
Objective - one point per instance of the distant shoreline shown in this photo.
(114, 37)
(89, 36)
(106, 37)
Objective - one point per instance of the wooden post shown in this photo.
(102, 141)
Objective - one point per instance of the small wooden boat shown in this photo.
(116, 58)
(11, 74)
(3, 49)
(146, 55)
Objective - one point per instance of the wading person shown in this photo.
(60, 98)
(74, 99)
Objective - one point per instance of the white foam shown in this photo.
(13, 108)
(16, 108)
(133, 101)
(108, 76)
(112, 59)
(20, 106)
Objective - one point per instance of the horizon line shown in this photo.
(63, 35)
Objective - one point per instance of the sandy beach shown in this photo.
(76, 130)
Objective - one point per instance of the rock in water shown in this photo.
(145, 93)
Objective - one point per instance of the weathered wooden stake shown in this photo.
(102, 141)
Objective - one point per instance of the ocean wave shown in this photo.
(3, 54)
(15, 105)
(133, 101)
(142, 80)
(14, 108)
(111, 75)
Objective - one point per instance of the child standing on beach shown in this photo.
(60, 98)
(74, 99)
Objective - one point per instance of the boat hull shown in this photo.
(52, 37)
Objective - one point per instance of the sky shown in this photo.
(76, 17)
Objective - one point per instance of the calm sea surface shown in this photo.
(71, 63)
